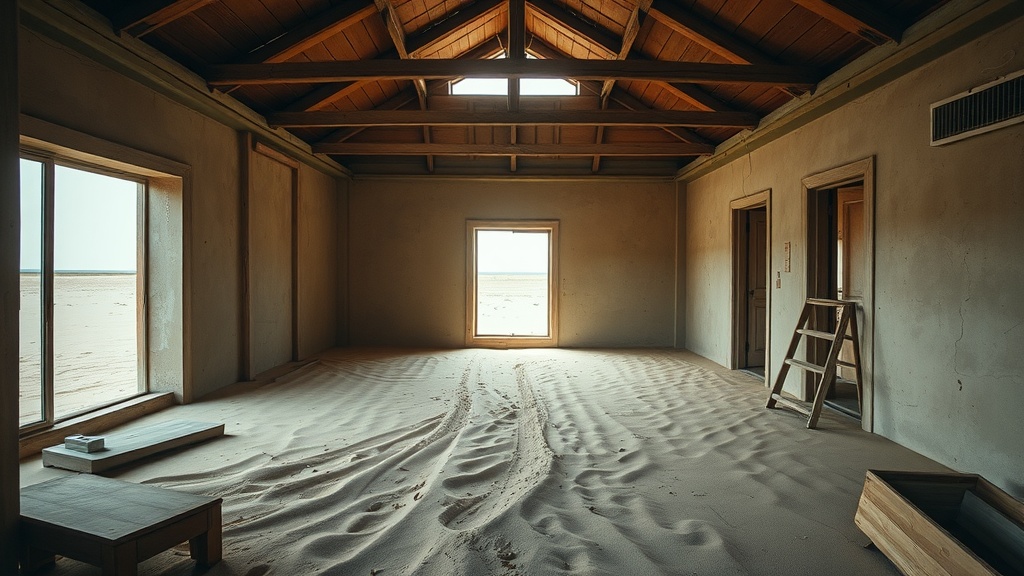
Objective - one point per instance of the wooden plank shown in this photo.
(509, 118)
(311, 32)
(595, 35)
(858, 17)
(662, 149)
(651, 70)
(96, 422)
(10, 288)
(144, 16)
(131, 445)
(816, 334)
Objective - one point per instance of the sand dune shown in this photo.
(520, 462)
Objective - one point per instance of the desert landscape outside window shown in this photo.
(80, 280)
(511, 283)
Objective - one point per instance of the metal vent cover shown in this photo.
(982, 109)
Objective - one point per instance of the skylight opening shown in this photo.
(527, 86)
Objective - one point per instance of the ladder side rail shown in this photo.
(830, 368)
(784, 369)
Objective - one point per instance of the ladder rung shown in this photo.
(816, 334)
(791, 404)
(827, 302)
(805, 365)
(845, 363)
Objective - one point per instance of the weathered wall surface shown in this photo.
(318, 261)
(68, 89)
(408, 257)
(949, 275)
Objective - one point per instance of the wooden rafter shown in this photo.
(641, 149)
(628, 38)
(512, 118)
(593, 33)
(394, 26)
(311, 32)
(441, 31)
(144, 16)
(376, 69)
(693, 95)
(858, 17)
(630, 102)
(715, 39)
(396, 102)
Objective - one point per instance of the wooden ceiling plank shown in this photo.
(323, 96)
(142, 17)
(591, 32)
(858, 17)
(637, 149)
(605, 117)
(719, 41)
(428, 39)
(375, 69)
(311, 32)
(628, 101)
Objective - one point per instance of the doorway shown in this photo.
(511, 289)
(750, 219)
(839, 266)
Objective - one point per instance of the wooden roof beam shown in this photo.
(708, 35)
(397, 33)
(396, 102)
(645, 70)
(630, 102)
(632, 149)
(512, 118)
(311, 32)
(440, 31)
(144, 16)
(858, 17)
(693, 95)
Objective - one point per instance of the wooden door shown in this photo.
(851, 259)
(757, 287)
(270, 263)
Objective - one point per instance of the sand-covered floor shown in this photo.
(519, 463)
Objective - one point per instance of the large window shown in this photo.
(82, 274)
(512, 288)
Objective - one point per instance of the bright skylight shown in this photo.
(527, 86)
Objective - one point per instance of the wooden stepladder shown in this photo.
(846, 329)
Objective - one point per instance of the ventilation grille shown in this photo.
(979, 110)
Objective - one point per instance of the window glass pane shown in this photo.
(30, 333)
(95, 345)
(512, 283)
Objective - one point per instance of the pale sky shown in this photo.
(527, 87)
(94, 220)
(504, 251)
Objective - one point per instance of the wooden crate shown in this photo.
(942, 523)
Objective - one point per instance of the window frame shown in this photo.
(50, 161)
(474, 340)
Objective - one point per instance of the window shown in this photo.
(82, 273)
(512, 290)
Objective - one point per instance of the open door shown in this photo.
(751, 296)
(839, 263)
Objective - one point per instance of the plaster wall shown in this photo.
(63, 87)
(949, 275)
(408, 257)
(318, 268)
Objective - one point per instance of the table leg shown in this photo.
(205, 549)
(33, 559)
(121, 561)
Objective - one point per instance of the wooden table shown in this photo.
(114, 524)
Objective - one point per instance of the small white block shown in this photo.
(83, 443)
